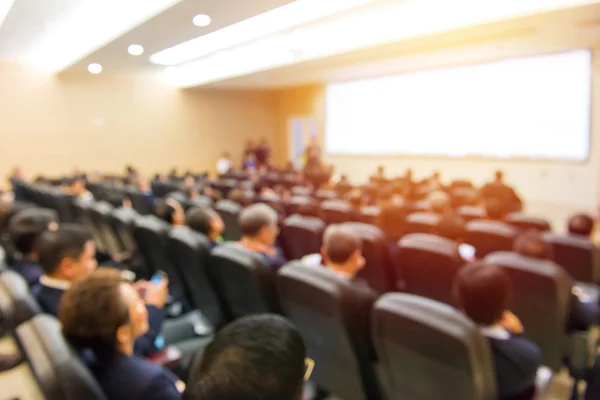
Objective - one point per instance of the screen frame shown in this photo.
(473, 157)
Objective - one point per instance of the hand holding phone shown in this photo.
(157, 293)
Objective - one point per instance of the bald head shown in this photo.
(340, 244)
(531, 244)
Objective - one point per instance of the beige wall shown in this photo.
(51, 124)
(551, 189)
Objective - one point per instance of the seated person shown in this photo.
(170, 211)
(435, 182)
(258, 224)
(67, 255)
(482, 293)
(379, 176)
(495, 210)
(78, 189)
(581, 225)
(257, 357)
(500, 191)
(440, 202)
(223, 164)
(104, 314)
(145, 189)
(582, 314)
(452, 226)
(24, 231)
(206, 221)
(592, 390)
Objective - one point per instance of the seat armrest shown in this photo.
(582, 352)
(168, 358)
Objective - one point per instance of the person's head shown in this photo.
(495, 209)
(77, 185)
(440, 202)
(581, 224)
(26, 228)
(258, 357)
(206, 221)
(451, 226)
(192, 192)
(103, 312)
(531, 244)
(189, 182)
(170, 211)
(499, 176)
(68, 253)
(342, 250)
(258, 223)
(380, 171)
(482, 291)
(436, 175)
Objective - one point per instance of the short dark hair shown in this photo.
(495, 209)
(199, 219)
(482, 291)
(9, 210)
(581, 224)
(339, 243)
(531, 244)
(164, 211)
(451, 226)
(258, 357)
(255, 217)
(54, 246)
(27, 226)
(92, 311)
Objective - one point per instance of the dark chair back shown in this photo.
(430, 351)
(336, 211)
(489, 236)
(525, 222)
(578, 255)
(100, 213)
(230, 211)
(470, 213)
(16, 303)
(301, 236)
(422, 222)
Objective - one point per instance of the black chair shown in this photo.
(392, 220)
(525, 222)
(489, 236)
(301, 236)
(100, 213)
(430, 351)
(541, 298)
(422, 222)
(337, 211)
(369, 215)
(151, 235)
(16, 303)
(123, 220)
(378, 270)
(334, 322)
(58, 370)
(470, 213)
(429, 264)
(325, 194)
(577, 255)
(245, 282)
(229, 212)
(188, 251)
(303, 205)
(84, 210)
(202, 201)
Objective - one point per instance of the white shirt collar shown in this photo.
(55, 283)
(495, 332)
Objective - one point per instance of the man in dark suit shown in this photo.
(259, 226)
(67, 255)
(482, 292)
(24, 231)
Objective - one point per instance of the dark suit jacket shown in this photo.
(516, 361)
(123, 377)
(592, 392)
(274, 262)
(29, 269)
(49, 300)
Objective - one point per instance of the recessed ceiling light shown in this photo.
(136, 50)
(95, 68)
(202, 20)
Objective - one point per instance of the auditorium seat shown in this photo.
(84, 210)
(123, 220)
(188, 251)
(334, 327)
(430, 351)
(577, 255)
(100, 213)
(461, 197)
(58, 370)
(229, 212)
(245, 282)
(489, 236)
(151, 235)
(303, 205)
(429, 264)
(301, 236)
(470, 213)
(378, 270)
(16, 303)
(421, 222)
(336, 211)
(422, 206)
(524, 222)
(541, 298)
(393, 220)
(325, 194)
(202, 201)
(369, 215)
(300, 191)
(225, 186)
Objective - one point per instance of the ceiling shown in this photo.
(28, 19)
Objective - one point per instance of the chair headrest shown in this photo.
(228, 206)
(428, 242)
(189, 237)
(426, 218)
(497, 228)
(16, 304)
(300, 221)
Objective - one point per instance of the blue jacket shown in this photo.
(124, 377)
(29, 269)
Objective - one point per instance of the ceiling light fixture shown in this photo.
(202, 20)
(5, 6)
(273, 21)
(95, 68)
(87, 26)
(136, 50)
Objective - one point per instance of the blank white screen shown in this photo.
(535, 108)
